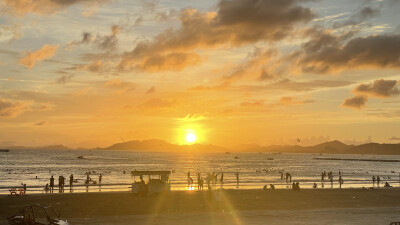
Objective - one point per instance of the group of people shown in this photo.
(61, 182)
(211, 179)
(287, 176)
(377, 179)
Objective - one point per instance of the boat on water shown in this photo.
(4, 150)
(80, 157)
(236, 157)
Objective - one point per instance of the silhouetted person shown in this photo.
(46, 188)
(237, 178)
(331, 178)
(208, 180)
(341, 181)
(71, 181)
(201, 183)
(373, 180)
(141, 179)
(100, 178)
(272, 186)
(387, 185)
(51, 184)
(378, 180)
(222, 178)
(315, 185)
(198, 180)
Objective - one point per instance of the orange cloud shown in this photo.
(30, 58)
(258, 103)
(121, 87)
(293, 101)
(10, 109)
(43, 7)
(173, 62)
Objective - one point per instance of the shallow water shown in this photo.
(22, 166)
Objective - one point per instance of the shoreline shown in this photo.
(126, 188)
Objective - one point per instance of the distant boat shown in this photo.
(236, 157)
(81, 157)
(228, 153)
(4, 150)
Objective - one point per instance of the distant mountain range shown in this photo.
(331, 147)
(163, 146)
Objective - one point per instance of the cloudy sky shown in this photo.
(94, 72)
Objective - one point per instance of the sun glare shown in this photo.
(190, 137)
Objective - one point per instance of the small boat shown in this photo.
(228, 153)
(236, 157)
(80, 157)
(4, 150)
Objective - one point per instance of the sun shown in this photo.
(190, 137)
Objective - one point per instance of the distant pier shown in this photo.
(364, 160)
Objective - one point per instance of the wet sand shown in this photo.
(231, 207)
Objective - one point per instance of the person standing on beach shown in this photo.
(51, 184)
(340, 181)
(221, 180)
(378, 180)
(208, 180)
(59, 183)
(71, 181)
(201, 182)
(373, 180)
(100, 178)
(331, 177)
(198, 180)
(62, 183)
(237, 179)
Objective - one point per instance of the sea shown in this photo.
(35, 167)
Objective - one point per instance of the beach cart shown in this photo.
(157, 182)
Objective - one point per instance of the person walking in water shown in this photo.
(100, 178)
(331, 178)
(221, 180)
(51, 184)
(373, 180)
(378, 180)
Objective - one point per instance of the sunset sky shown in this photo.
(87, 73)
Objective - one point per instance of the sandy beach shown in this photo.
(334, 206)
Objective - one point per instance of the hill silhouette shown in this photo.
(155, 145)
